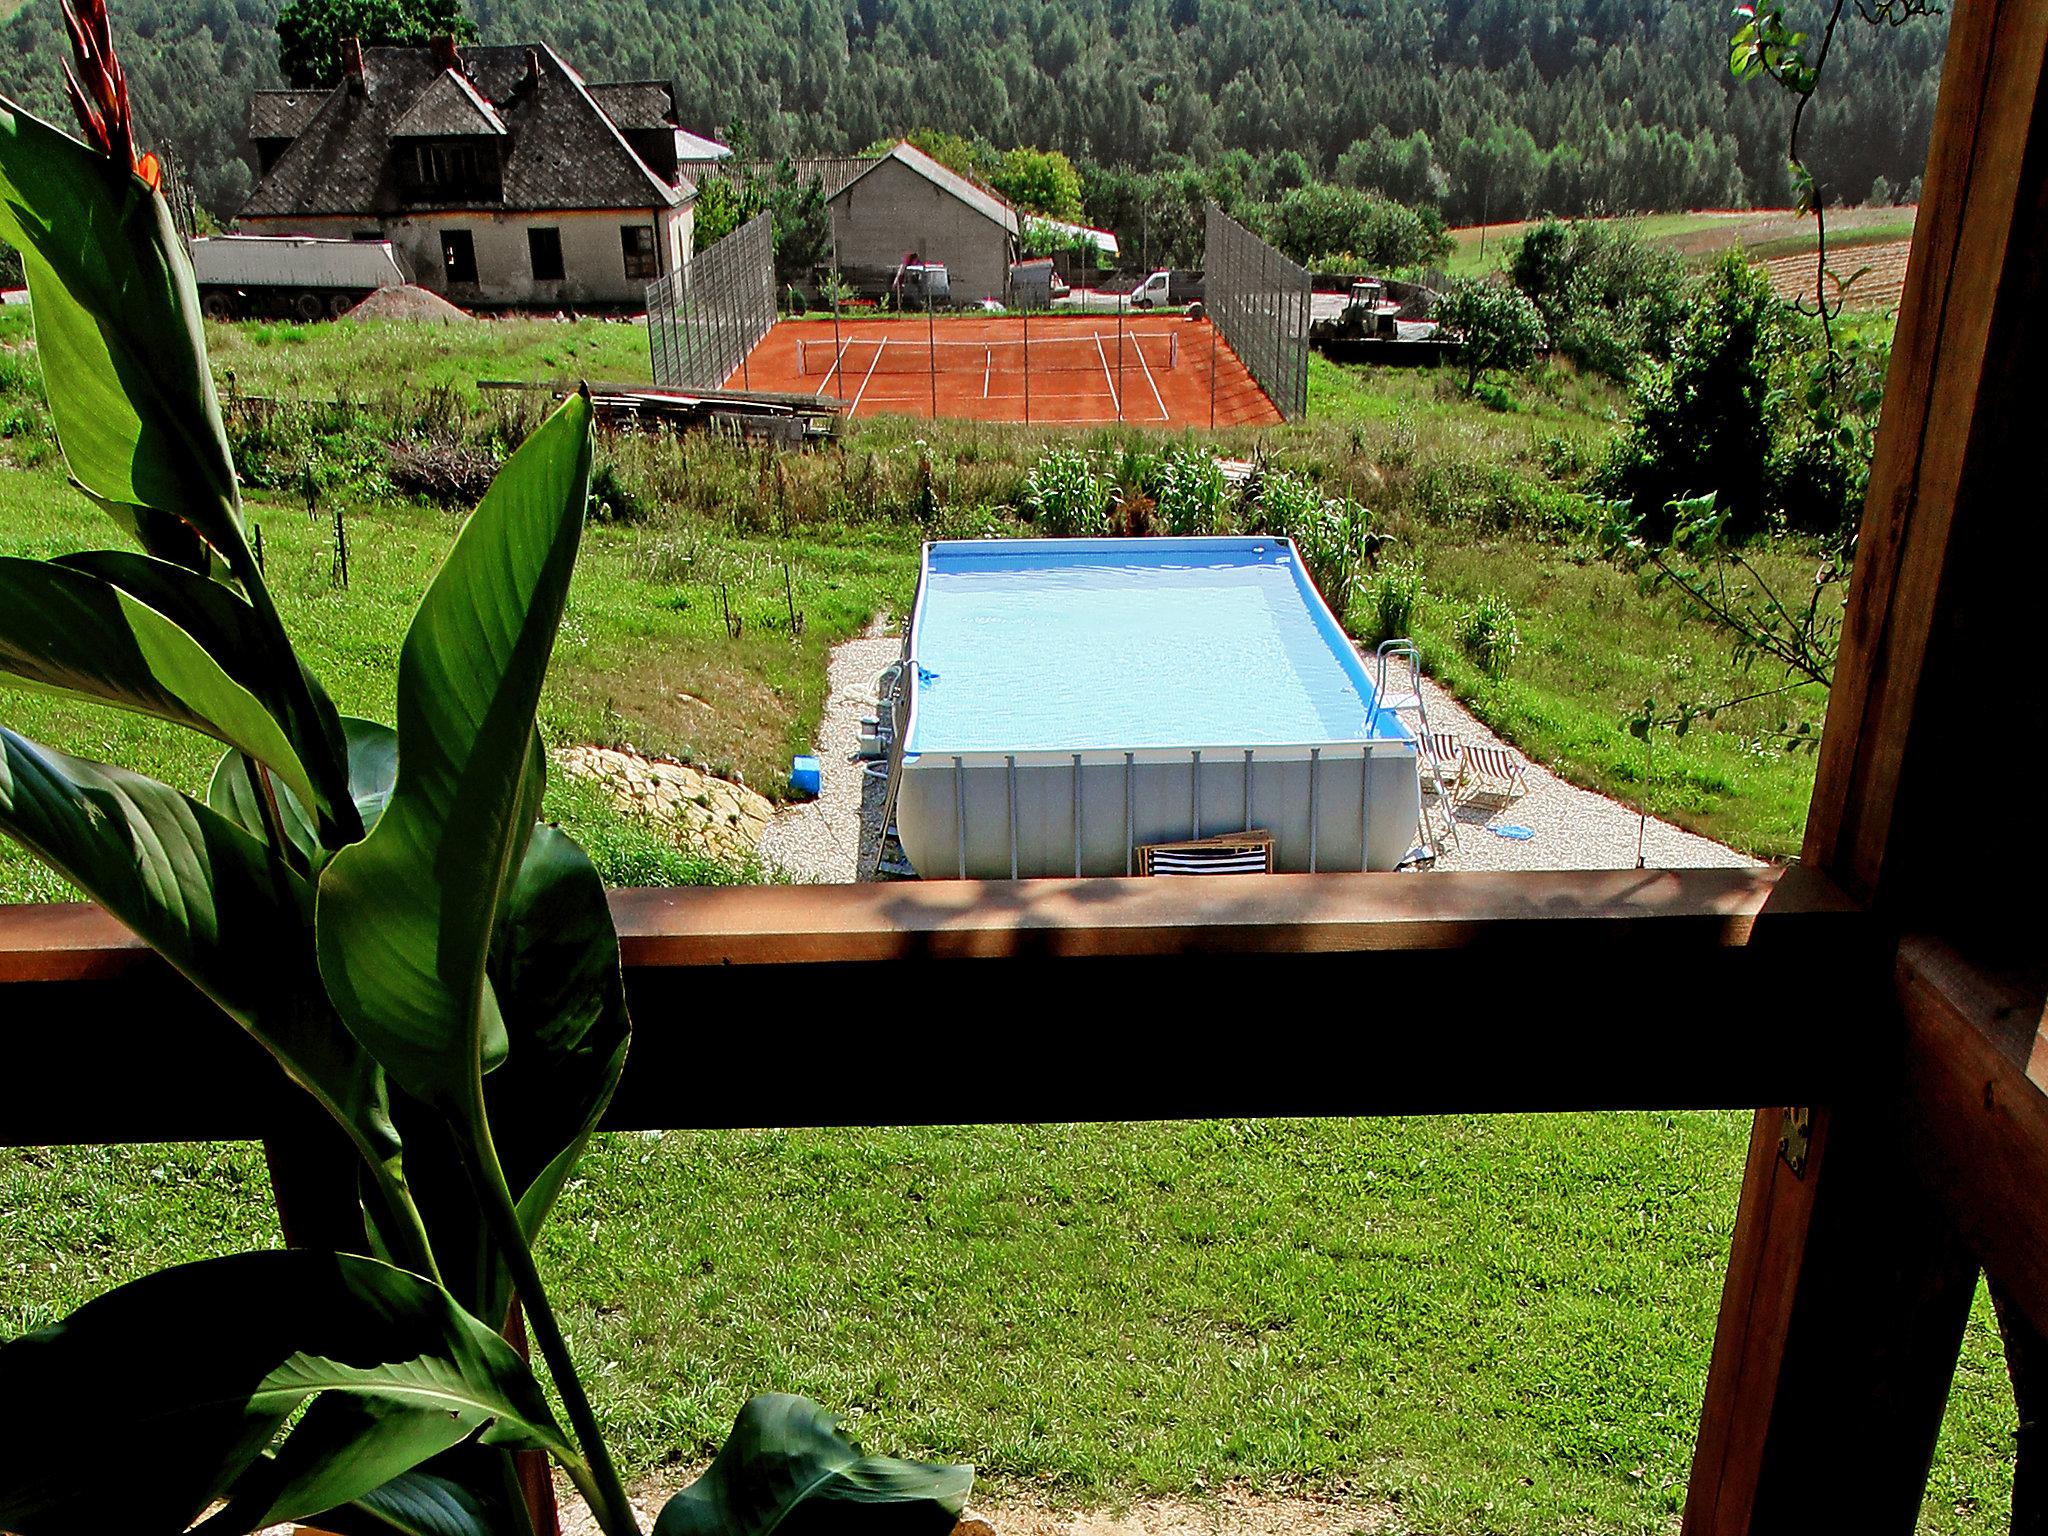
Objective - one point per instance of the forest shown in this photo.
(1477, 109)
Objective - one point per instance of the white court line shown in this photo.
(1156, 400)
(1113, 400)
(853, 408)
(988, 366)
(837, 370)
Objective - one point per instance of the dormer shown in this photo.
(448, 145)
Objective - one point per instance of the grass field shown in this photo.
(1495, 1325)
(1699, 237)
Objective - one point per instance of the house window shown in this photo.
(458, 255)
(544, 251)
(638, 241)
(464, 168)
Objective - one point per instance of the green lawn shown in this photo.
(1494, 1325)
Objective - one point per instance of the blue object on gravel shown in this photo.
(1509, 830)
(805, 776)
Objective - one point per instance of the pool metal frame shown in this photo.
(1285, 760)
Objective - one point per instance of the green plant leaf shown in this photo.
(371, 751)
(64, 631)
(415, 1504)
(202, 892)
(788, 1468)
(230, 631)
(122, 348)
(555, 966)
(405, 917)
(343, 1444)
(215, 1358)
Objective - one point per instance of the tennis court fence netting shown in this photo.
(1058, 354)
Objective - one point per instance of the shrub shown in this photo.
(449, 474)
(1702, 422)
(1064, 497)
(1392, 597)
(1491, 635)
(1190, 497)
(1498, 329)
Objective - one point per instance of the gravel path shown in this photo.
(821, 841)
(1573, 828)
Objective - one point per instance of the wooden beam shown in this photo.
(1063, 1000)
(1974, 1110)
(1849, 1283)
(1972, 288)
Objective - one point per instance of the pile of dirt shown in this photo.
(694, 807)
(408, 302)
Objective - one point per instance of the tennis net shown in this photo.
(1097, 353)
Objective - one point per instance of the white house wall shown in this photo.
(593, 251)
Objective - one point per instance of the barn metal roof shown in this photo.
(984, 202)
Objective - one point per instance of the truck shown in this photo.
(294, 277)
(1162, 287)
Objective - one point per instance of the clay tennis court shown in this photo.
(1065, 368)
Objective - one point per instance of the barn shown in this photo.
(907, 202)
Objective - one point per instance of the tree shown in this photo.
(1322, 220)
(310, 33)
(1040, 181)
(1702, 423)
(1497, 328)
(1609, 298)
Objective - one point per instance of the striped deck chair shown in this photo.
(1490, 773)
(1448, 753)
(1234, 853)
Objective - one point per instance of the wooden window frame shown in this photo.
(1862, 988)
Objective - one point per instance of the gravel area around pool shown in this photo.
(822, 841)
(1573, 828)
(832, 838)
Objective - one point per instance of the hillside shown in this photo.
(1482, 108)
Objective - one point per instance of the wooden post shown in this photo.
(1849, 1282)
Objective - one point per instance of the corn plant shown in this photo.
(1191, 492)
(1065, 497)
(378, 906)
(1491, 634)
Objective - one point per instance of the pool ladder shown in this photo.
(1409, 700)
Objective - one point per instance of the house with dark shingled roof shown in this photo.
(497, 172)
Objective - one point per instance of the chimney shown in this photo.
(445, 55)
(352, 65)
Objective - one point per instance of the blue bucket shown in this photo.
(805, 776)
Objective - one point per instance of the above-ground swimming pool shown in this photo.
(1066, 700)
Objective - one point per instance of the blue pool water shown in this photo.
(1071, 645)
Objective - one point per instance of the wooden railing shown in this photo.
(1068, 999)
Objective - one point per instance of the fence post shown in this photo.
(931, 343)
(1120, 357)
(1027, 361)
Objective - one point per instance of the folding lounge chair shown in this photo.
(1489, 773)
(1447, 752)
(1234, 853)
